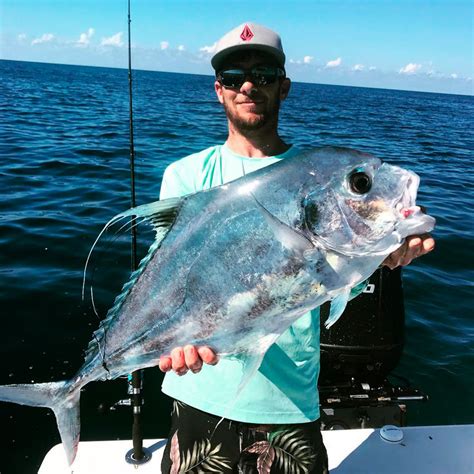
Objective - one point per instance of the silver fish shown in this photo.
(234, 266)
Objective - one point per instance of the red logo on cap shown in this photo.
(246, 34)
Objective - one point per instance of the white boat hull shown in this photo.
(423, 449)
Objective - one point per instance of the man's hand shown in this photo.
(187, 358)
(415, 246)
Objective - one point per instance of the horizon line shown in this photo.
(210, 75)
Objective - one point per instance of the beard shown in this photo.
(257, 120)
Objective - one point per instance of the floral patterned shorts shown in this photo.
(204, 443)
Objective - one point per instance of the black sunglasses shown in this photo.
(258, 75)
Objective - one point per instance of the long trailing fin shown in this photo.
(106, 227)
(60, 398)
(161, 214)
(127, 227)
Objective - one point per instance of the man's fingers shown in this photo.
(414, 243)
(208, 355)
(409, 251)
(178, 361)
(192, 359)
(415, 246)
(428, 244)
(419, 245)
(393, 260)
(165, 363)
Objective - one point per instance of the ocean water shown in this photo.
(65, 172)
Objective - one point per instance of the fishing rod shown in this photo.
(137, 455)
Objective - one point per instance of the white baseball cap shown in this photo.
(248, 36)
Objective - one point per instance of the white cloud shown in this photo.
(209, 49)
(372, 68)
(85, 38)
(115, 40)
(433, 73)
(358, 67)
(45, 38)
(334, 63)
(410, 68)
(454, 76)
(308, 59)
(21, 37)
(164, 45)
(181, 47)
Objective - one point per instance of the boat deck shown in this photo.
(424, 449)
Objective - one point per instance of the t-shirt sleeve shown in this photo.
(173, 184)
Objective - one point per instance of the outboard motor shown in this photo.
(357, 355)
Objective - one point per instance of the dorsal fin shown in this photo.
(161, 215)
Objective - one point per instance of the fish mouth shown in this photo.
(412, 218)
(406, 206)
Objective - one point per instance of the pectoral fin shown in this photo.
(338, 305)
(287, 236)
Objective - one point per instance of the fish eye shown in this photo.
(360, 182)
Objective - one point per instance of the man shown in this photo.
(273, 423)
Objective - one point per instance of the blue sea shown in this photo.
(65, 172)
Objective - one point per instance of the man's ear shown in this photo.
(285, 88)
(219, 91)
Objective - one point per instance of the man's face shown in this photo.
(251, 107)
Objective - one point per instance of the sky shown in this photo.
(423, 45)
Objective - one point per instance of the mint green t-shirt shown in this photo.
(284, 389)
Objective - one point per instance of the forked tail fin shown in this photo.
(60, 398)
